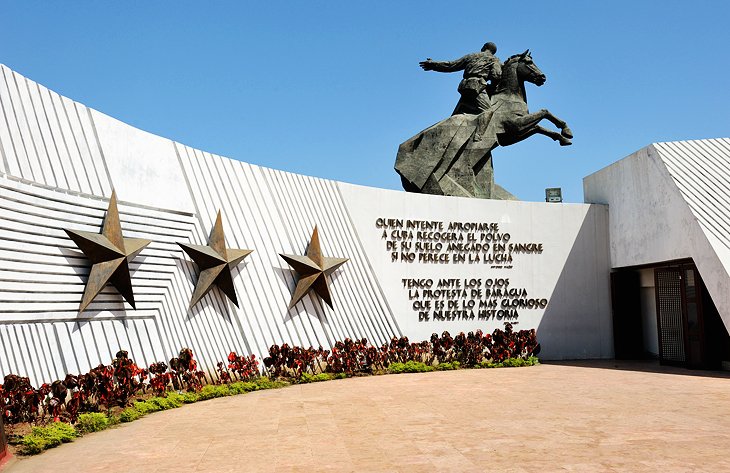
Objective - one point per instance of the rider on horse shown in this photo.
(479, 68)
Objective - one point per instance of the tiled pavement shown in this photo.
(581, 417)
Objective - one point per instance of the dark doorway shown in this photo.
(626, 307)
(691, 333)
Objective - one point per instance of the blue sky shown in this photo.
(331, 89)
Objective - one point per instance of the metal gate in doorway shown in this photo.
(669, 314)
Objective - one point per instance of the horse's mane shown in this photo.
(512, 58)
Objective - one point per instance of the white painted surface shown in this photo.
(60, 161)
(572, 271)
(143, 165)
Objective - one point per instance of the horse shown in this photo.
(453, 157)
(514, 122)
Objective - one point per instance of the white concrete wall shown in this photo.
(571, 272)
(60, 161)
(669, 201)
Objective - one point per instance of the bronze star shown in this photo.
(110, 254)
(215, 262)
(313, 270)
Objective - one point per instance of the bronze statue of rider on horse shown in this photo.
(453, 157)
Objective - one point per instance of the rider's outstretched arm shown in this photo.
(445, 66)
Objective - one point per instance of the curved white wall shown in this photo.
(60, 161)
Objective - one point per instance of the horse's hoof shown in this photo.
(565, 142)
(566, 133)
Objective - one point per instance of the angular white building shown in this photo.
(669, 222)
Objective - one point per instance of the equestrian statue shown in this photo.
(454, 156)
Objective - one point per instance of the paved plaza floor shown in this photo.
(577, 417)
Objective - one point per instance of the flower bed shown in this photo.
(122, 392)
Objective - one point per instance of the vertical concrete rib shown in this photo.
(359, 297)
(214, 296)
(22, 168)
(270, 197)
(107, 182)
(89, 152)
(299, 233)
(217, 195)
(68, 162)
(243, 219)
(24, 125)
(312, 208)
(38, 116)
(315, 334)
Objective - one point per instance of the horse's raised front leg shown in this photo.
(519, 125)
(559, 137)
(564, 130)
(542, 131)
(520, 128)
(524, 123)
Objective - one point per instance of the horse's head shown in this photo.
(526, 69)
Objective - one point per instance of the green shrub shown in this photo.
(315, 378)
(155, 404)
(409, 367)
(511, 363)
(139, 409)
(242, 387)
(129, 414)
(175, 399)
(32, 444)
(145, 407)
(57, 430)
(189, 398)
(447, 366)
(265, 383)
(49, 436)
(163, 403)
(517, 362)
(92, 422)
(340, 376)
(211, 391)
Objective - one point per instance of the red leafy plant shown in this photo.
(245, 367)
(284, 361)
(128, 377)
(102, 388)
(160, 379)
(20, 402)
(185, 373)
(108, 386)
